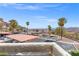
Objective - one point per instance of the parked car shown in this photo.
(49, 41)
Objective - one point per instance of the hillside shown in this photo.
(73, 29)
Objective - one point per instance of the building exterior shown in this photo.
(5, 26)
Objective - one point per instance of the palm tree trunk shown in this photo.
(61, 32)
(27, 29)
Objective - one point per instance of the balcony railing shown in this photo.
(33, 49)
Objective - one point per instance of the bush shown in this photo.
(74, 53)
(3, 53)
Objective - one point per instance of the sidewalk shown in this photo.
(68, 41)
(65, 39)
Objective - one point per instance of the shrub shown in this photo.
(3, 53)
(74, 53)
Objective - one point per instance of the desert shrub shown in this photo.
(74, 53)
(3, 53)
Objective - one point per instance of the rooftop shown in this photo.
(5, 33)
(22, 37)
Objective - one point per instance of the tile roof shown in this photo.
(22, 37)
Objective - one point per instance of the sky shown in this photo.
(40, 15)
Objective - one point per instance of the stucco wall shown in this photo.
(48, 48)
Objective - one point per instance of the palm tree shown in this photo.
(62, 21)
(19, 29)
(49, 29)
(1, 23)
(27, 24)
(13, 25)
(76, 35)
(58, 31)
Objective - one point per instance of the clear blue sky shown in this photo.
(40, 15)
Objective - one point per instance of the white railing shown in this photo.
(42, 47)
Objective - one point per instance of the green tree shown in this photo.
(62, 21)
(27, 24)
(13, 25)
(49, 29)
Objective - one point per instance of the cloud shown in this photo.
(7, 4)
(3, 5)
(29, 7)
(20, 6)
(26, 6)
(52, 20)
(37, 6)
(53, 5)
(43, 19)
(40, 21)
(49, 20)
